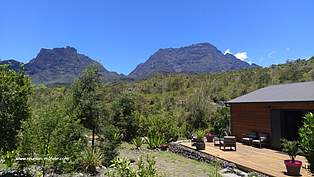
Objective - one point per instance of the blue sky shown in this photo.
(122, 34)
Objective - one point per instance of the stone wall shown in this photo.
(198, 155)
(178, 148)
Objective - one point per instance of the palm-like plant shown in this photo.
(200, 135)
(138, 142)
(121, 167)
(154, 141)
(90, 160)
(291, 148)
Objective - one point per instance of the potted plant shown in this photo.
(210, 135)
(291, 148)
(200, 144)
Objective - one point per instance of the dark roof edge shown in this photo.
(270, 102)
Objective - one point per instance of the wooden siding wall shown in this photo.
(246, 117)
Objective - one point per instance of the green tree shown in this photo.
(50, 132)
(220, 120)
(198, 114)
(123, 116)
(85, 99)
(88, 106)
(14, 92)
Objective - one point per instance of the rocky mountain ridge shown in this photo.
(62, 65)
(196, 58)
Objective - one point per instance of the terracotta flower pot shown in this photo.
(293, 168)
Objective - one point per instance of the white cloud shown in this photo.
(241, 56)
(227, 51)
(288, 49)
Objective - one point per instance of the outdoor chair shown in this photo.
(262, 140)
(229, 141)
(249, 137)
(193, 138)
(217, 141)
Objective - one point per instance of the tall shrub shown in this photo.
(307, 138)
(123, 117)
(14, 92)
(50, 133)
(220, 120)
(85, 102)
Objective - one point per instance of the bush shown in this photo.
(154, 141)
(14, 109)
(138, 142)
(51, 133)
(220, 120)
(163, 125)
(149, 170)
(122, 167)
(123, 117)
(109, 138)
(9, 158)
(197, 116)
(307, 138)
(90, 160)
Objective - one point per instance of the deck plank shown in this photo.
(267, 161)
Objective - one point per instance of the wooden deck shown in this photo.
(247, 158)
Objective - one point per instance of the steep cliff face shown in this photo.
(196, 58)
(61, 66)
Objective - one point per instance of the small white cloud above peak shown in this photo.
(227, 52)
(241, 56)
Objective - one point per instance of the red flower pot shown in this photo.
(209, 137)
(293, 168)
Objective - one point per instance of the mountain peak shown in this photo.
(202, 44)
(61, 66)
(196, 58)
(62, 51)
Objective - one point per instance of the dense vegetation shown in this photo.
(14, 91)
(83, 124)
(306, 133)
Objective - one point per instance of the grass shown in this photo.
(169, 164)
